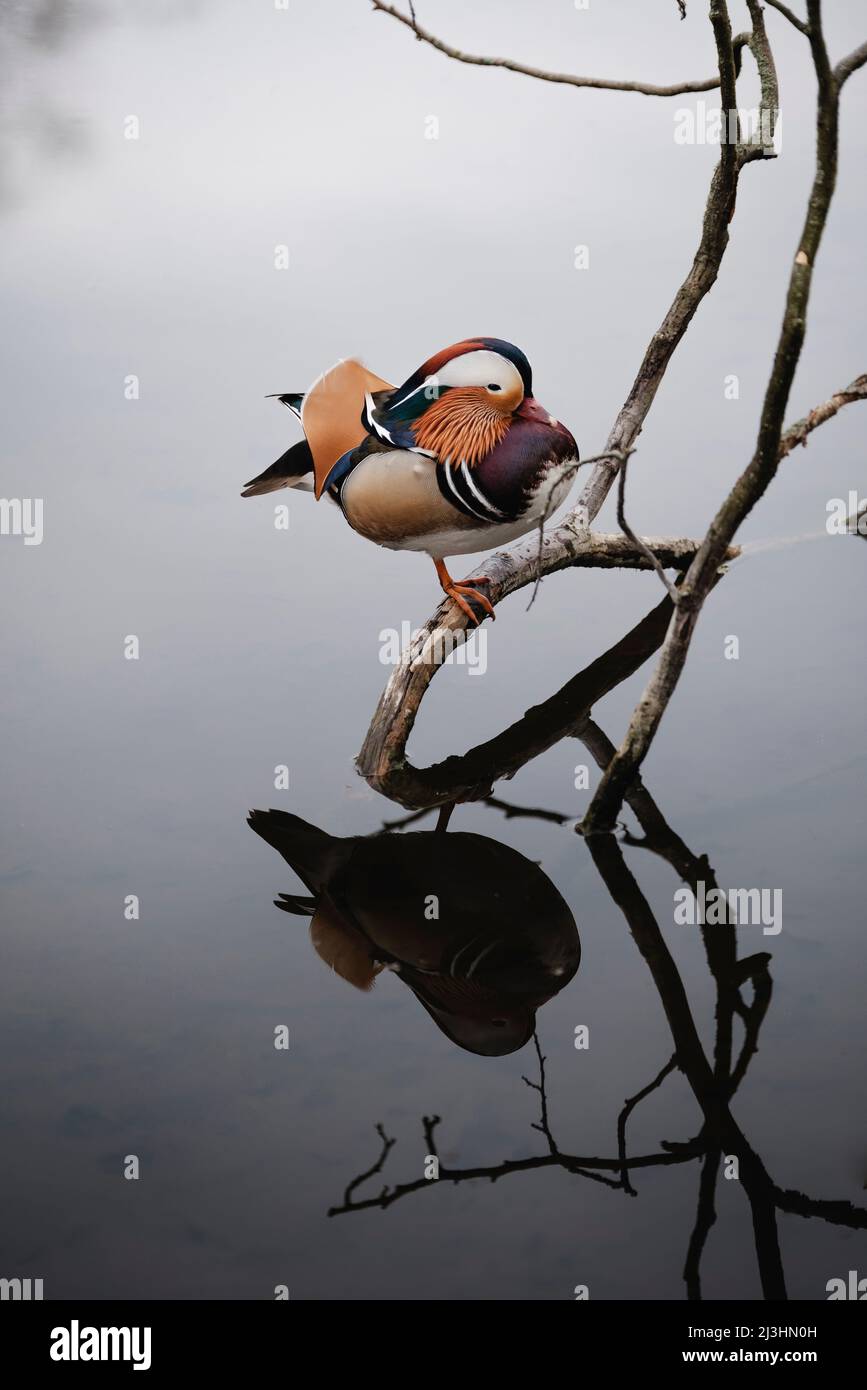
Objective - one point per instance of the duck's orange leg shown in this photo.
(459, 593)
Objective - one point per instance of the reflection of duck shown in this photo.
(479, 933)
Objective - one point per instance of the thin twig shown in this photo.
(627, 530)
(512, 812)
(790, 15)
(387, 1146)
(566, 474)
(797, 434)
(650, 89)
(628, 1107)
(544, 1126)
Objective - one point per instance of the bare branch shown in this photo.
(607, 84)
(769, 105)
(757, 476)
(789, 14)
(571, 543)
(471, 776)
(797, 434)
(636, 541)
(847, 66)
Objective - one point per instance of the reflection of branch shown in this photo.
(713, 1088)
(530, 812)
(720, 1127)
(837, 1213)
(704, 1218)
(470, 777)
(628, 1107)
(508, 808)
(543, 1126)
(402, 821)
(752, 1015)
(593, 1168)
(387, 1144)
(604, 83)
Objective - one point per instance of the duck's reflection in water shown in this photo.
(479, 933)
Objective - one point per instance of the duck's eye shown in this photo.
(498, 1022)
(492, 386)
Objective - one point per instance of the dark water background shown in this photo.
(261, 647)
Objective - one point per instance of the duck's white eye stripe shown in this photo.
(484, 368)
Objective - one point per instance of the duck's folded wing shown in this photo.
(331, 414)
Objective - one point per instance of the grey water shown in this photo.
(145, 321)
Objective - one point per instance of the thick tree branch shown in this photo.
(471, 776)
(382, 760)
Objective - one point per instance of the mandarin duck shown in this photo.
(478, 933)
(458, 459)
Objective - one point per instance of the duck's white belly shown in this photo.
(393, 499)
(494, 535)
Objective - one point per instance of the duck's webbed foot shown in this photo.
(460, 593)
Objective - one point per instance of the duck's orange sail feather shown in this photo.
(331, 414)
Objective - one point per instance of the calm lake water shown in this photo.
(261, 649)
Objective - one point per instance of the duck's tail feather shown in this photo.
(293, 400)
(312, 853)
(292, 469)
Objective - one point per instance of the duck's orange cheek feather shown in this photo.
(462, 426)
